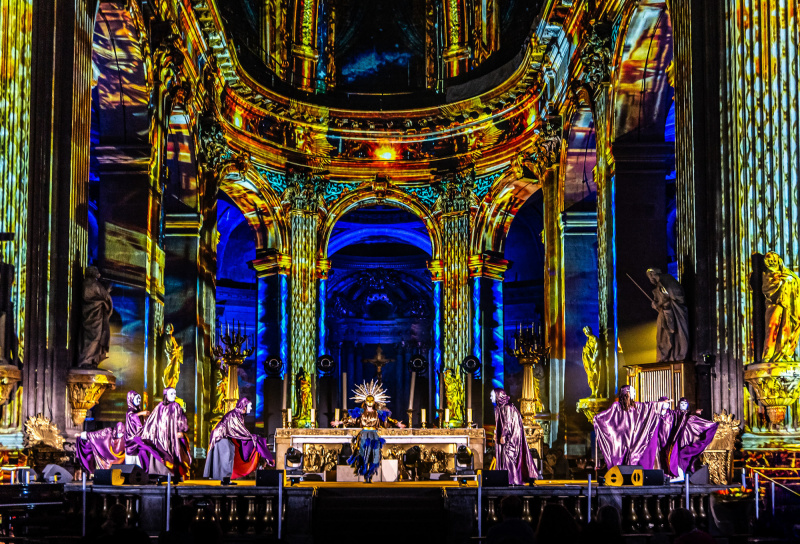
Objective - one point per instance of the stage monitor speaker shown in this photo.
(108, 476)
(133, 474)
(56, 474)
(268, 478)
(700, 476)
(494, 478)
(653, 477)
(620, 475)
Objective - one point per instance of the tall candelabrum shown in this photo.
(230, 356)
(529, 346)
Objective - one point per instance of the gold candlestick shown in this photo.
(410, 418)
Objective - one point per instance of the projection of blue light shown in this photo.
(437, 336)
(284, 322)
(262, 349)
(398, 233)
(497, 334)
(369, 65)
(321, 322)
(476, 317)
(613, 245)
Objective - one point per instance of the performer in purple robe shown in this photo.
(133, 428)
(627, 432)
(101, 449)
(233, 451)
(162, 442)
(683, 436)
(511, 448)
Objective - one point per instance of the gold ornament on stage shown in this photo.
(592, 362)
(719, 454)
(174, 353)
(230, 358)
(40, 431)
(85, 386)
(370, 392)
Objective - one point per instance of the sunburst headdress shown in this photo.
(372, 389)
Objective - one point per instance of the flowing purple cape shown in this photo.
(683, 437)
(101, 449)
(232, 426)
(629, 437)
(159, 438)
(513, 456)
(133, 425)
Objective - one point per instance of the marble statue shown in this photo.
(97, 307)
(174, 353)
(781, 287)
(591, 361)
(672, 325)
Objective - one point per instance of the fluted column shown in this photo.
(456, 33)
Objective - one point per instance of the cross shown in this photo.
(379, 361)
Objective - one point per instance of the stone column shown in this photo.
(436, 269)
(456, 37)
(323, 269)
(303, 43)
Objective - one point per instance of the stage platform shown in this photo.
(427, 511)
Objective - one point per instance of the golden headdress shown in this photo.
(372, 389)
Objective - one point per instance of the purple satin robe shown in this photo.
(101, 449)
(683, 437)
(514, 455)
(629, 437)
(133, 425)
(232, 426)
(160, 438)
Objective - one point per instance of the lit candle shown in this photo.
(446, 416)
(289, 416)
(469, 415)
(423, 413)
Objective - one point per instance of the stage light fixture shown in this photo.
(470, 364)
(325, 365)
(418, 364)
(273, 366)
(293, 464)
(464, 462)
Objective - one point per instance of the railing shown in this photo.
(759, 474)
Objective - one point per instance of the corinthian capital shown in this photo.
(596, 55)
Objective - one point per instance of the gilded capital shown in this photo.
(85, 386)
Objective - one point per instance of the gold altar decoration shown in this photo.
(10, 375)
(776, 386)
(590, 407)
(40, 431)
(174, 354)
(320, 458)
(379, 361)
(85, 386)
(719, 454)
(230, 358)
(454, 391)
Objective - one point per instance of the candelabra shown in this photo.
(230, 358)
(528, 345)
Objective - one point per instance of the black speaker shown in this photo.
(268, 478)
(133, 474)
(653, 477)
(494, 478)
(109, 476)
(56, 474)
(700, 476)
(620, 475)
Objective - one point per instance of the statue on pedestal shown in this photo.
(454, 388)
(97, 308)
(303, 392)
(591, 361)
(781, 287)
(672, 325)
(174, 353)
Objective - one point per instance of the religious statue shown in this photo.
(511, 448)
(379, 362)
(454, 389)
(101, 449)
(303, 392)
(371, 416)
(174, 352)
(781, 287)
(682, 438)
(221, 388)
(97, 307)
(163, 440)
(591, 361)
(233, 451)
(672, 325)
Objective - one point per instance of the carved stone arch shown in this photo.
(369, 195)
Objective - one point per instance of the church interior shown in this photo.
(269, 264)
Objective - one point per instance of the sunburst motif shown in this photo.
(372, 389)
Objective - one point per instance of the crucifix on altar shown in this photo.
(379, 361)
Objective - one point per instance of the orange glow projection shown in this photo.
(386, 153)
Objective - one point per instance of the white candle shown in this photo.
(344, 390)
(411, 393)
(336, 414)
(446, 415)
(289, 417)
(469, 415)
(313, 416)
(423, 413)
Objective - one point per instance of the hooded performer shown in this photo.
(627, 432)
(101, 449)
(511, 448)
(233, 451)
(371, 416)
(162, 442)
(683, 436)
(133, 427)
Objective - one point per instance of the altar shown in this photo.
(321, 447)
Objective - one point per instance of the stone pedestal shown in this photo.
(9, 377)
(776, 386)
(84, 388)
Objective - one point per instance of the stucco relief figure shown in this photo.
(303, 392)
(454, 388)
(672, 325)
(781, 287)
(591, 361)
(97, 307)
(174, 353)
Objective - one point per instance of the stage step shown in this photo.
(388, 515)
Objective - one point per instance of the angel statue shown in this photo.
(370, 416)
(781, 287)
(174, 352)
(591, 361)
